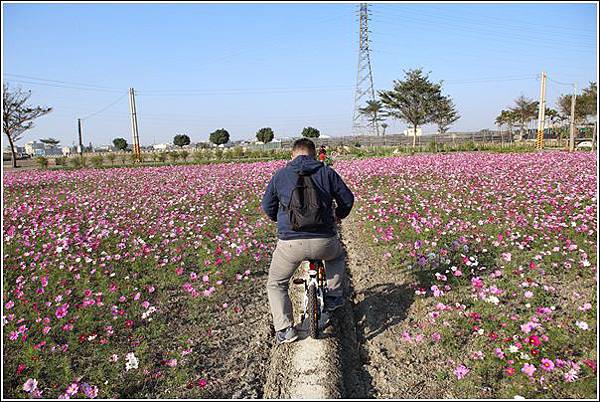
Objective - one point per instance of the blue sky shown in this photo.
(199, 67)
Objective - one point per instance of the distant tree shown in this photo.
(590, 100)
(585, 104)
(181, 139)
(413, 99)
(50, 141)
(445, 114)
(17, 117)
(375, 113)
(311, 132)
(120, 144)
(265, 135)
(525, 111)
(220, 136)
(384, 125)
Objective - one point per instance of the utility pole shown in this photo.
(572, 128)
(364, 78)
(80, 146)
(539, 143)
(134, 127)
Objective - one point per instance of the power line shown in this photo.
(454, 27)
(20, 76)
(106, 107)
(63, 86)
(561, 83)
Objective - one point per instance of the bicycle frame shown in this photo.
(316, 276)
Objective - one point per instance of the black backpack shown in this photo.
(308, 213)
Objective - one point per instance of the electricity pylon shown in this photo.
(364, 78)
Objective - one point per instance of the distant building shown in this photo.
(66, 150)
(411, 131)
(34, 148)
(104, 148)
(161, 147)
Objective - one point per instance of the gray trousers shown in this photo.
(287, 257)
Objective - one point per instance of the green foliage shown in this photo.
(184, 155)
(445, 114)
(60, 161)
(311, 132)
(585, 104)
(173, 156)
(181, 139)
(374, 111)
(42, 162)
(97, 161)
(218, 153)
(198, 156)
(111, 157)
(220, 136)
(265, 135)
(78, 161)
(413, 100)
(524, 111)
(120, 143)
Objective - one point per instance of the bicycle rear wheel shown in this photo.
(312, 312)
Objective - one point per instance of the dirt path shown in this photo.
(382, 305)
(308, 368)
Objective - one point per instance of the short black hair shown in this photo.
(306, 145)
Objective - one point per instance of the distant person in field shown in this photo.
(310, 235)
(322, 153)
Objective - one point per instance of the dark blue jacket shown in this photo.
(283, 182)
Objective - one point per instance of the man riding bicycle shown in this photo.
(302, 241)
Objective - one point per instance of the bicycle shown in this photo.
(314, 295)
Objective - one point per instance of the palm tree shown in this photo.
(525, 111)
(374, 111)
(384, 125)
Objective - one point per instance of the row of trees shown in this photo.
(415, 100)
(525, 111)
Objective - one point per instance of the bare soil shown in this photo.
(382, 305)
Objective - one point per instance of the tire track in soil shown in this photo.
(383, 307)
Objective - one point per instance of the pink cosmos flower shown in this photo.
(461, 371)
(62, 311)
(89, 391)
(547, 364)
(72, 389)
(171, 362)
(30, 385)
(436, 336)
(528, 369)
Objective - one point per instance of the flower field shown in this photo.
(104, 270)
(113, 278)
(500, 251)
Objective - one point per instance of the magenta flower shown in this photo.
(528, 369)
(547, 364)
(461, 371)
